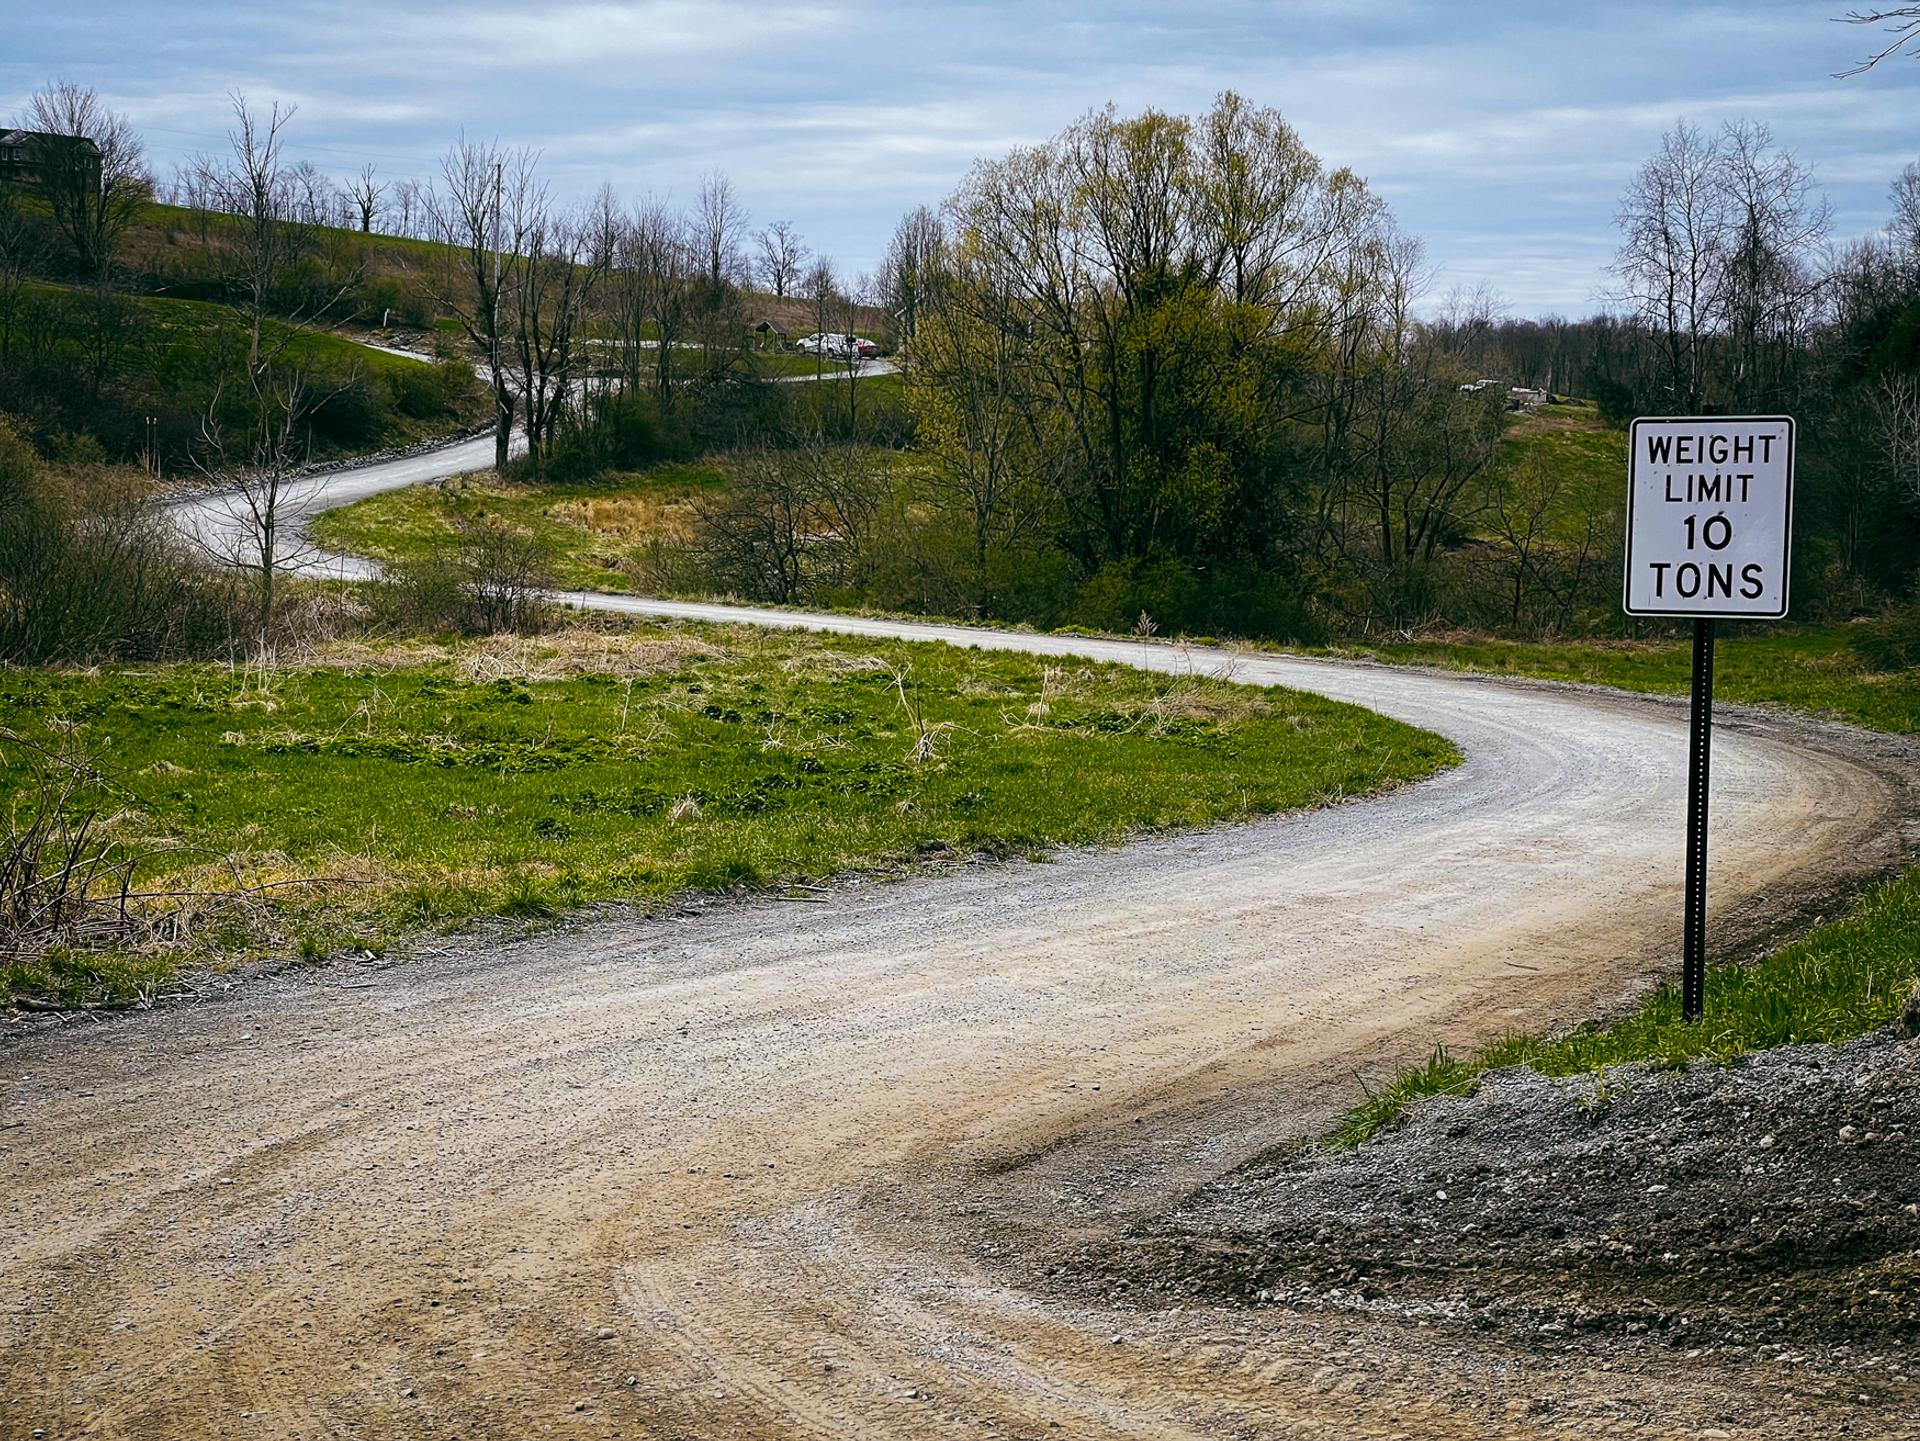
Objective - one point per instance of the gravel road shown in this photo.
(766, 1169)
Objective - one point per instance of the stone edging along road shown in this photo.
(760, 1171)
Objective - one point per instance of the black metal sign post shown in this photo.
(1693, 986)
(1709, 537)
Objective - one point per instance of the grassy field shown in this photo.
(1843, 980)
(383, 790)
(597, 532)
(1812, 669)
(610, 534)
(1582, 447)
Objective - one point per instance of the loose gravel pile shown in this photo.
(1769, 1204)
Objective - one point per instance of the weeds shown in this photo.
(74, 920)
(1843, 980)
(62, 883)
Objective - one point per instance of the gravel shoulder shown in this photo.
(1769, 1207)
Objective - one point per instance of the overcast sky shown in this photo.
(1502, 134)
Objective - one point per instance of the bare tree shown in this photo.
(782, 254)
(255, 463)
(275, 206)
(93, 189)
(719, 222)
(863, 291)
(1773, 268)
(1904, 228)
(1677, 230)
(907, 273)
(791, 520)
(562, 258)
(1547, 541)
(822, 290)
(1899, 416)
(366, 193)
(649, 295)
(1902, 22)
(406, 195)
(252, 184)
(489, 193)
(316, 200)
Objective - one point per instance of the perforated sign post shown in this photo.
(1709, 537)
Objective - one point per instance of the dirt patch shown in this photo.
(1773, 1205)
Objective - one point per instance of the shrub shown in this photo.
(619, 431)
(347, 415)
(89, 571)
(494, 578)
(1889, 642)
(428, 392)
(1237, 598)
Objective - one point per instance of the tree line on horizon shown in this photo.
(1167, 371)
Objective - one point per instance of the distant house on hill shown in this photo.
(769, 336)
(26, 155)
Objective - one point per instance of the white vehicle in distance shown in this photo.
(838, 346)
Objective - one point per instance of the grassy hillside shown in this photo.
(121, 371)
(180, 250)
(1583, 449)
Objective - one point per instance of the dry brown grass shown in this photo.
(1191, 698)
(629, 517)
(824, 664)
(561, 655)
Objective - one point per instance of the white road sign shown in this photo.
(1710, 516)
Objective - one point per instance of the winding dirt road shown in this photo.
(791, 1169)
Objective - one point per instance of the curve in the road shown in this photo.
(758, 1170)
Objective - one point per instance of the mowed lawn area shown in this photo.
(412, 785)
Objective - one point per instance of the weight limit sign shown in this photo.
(1709, 538)
(1710, 517)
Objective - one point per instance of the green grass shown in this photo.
(1843, 980)
(409, 786)
(595, 530)
(771, 363)
(207, 322)
(1811, 669)
(184, 346)
(614, 533)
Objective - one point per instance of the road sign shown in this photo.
(1709, 536)
(1710, 516)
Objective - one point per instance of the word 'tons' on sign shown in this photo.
(1710, 516)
